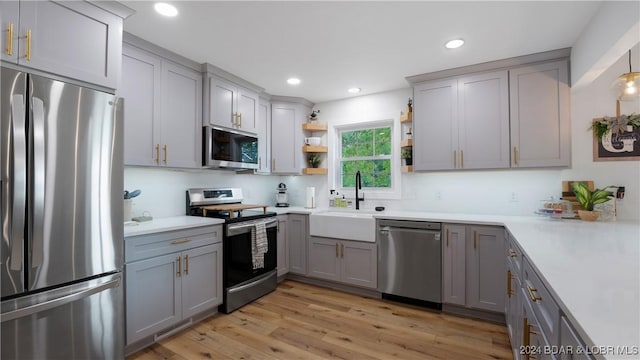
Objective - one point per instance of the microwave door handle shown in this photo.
(18, 181)
(38, 182)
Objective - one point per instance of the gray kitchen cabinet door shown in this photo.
(181, 129)
(435, 125)
(285, 144)
(540, 115)
(73, 39)
(201, 279)
(297, 235)
(10, 22)
(486, 268)
(324, 258)
(153, 296)
(513, 313)
(358, 263)
(570, 340)
(263, 128)
(483, 121)
(247, 110)
(140, 88)
(283, 245)
(223, 102)
(531, 329)
(454, 265)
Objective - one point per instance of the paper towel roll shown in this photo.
(311, 197)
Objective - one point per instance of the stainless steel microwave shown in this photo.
(223, 148)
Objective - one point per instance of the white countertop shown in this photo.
(591, 269)
(168, 224)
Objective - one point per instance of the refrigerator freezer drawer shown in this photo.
(80, 321)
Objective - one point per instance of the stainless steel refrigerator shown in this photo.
(61, 254)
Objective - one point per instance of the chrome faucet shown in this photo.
(358, 187)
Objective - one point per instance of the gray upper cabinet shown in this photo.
(462, 123)
(286, 137)
(540, 115)
(230, 105)
(74, 39)
(163, 111)
(263, 128)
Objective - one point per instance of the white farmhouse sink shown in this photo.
(348, 225)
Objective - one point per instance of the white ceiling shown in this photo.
(332, 46)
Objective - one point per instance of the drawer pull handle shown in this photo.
(475, 240)
(186, 264)
(181, 241)
(512, 253)
(447, 237)
(509, 291)
(342, 250)
(179, 267)
(533, 296)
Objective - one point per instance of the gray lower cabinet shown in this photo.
(297, 233)
(169, 278)
(540, 115)
(283, 245)
(163, 111)
(513, 296)
(473, 267)
(348, 262)
(74, 39)
(570, 342)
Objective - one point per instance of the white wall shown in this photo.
(163, 190)
(492, 192)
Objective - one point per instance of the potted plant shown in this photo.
(407, 155)
(588, 199)
(314, 160)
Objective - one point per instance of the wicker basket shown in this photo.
(588, 215)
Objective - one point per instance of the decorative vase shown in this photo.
(588, 215)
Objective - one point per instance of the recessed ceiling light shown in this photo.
(166, 9)
(455, 43)
(293, 81)
(354, 90)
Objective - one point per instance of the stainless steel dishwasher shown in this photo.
(410, 262)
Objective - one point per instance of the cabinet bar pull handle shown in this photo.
(462, 159)
(158, 154)
(342, 250)
(28, 45)
(515, 156)
(454, 159)
(526, 337)
(447, 238)
(259, 162)
(509, 283)
(164, 160)
(512, 253)
(239, 119)
(337, 251)
(186, 264)
(181, 241)
(179, 268)
(475, 240)
(10, 39)
(533, 296)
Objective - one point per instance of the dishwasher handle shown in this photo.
(385, 230)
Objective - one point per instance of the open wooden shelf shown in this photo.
(406, 117)
(314, 149)
(314, 171)
(314, 127)
(406, 143)
(406, 168)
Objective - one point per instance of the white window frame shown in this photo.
(393, 192)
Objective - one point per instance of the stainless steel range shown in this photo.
(243, 281)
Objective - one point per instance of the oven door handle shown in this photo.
(245, 227)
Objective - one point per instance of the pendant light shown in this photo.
(628, 84)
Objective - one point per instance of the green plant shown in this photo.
(588, 198)
(314, 160)
(406, 153)
(615, 124)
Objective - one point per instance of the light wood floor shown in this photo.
(300, 321)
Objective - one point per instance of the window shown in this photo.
(368, 150)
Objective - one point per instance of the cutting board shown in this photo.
(233, 207)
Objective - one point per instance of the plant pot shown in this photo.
(588, 215)
(408, 162)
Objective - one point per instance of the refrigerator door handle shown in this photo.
(47, 305)
(18, 181)
(39, 171)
